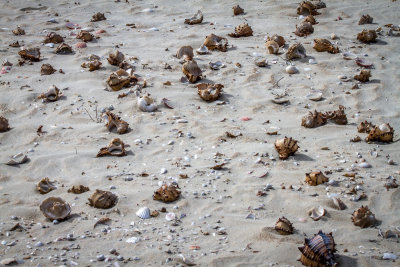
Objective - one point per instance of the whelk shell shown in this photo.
(316, 213)
(103, 199)
(324, 45)
(115, 58)
(196, 19)
(284, 226)
(237, 10)
(209, 92)
(277, 38)
(143, 213)
(243, 30)
(296, 50)
(113, 120)
(318, 251)
(306, 7)
(47, 69)
(313, 119)
(98, 17)
(272, 47)
(192, 71)
(78, 189)
(55, 208)
(215, 42)
(115, 148)
(310, 19)
(85, 36)
(363, 76)
(54, 38)
(64, 49)
(146, 103)
(338, 116)
(304, 29)
(92, 65)
(383, 133)
(4, 126)
(18, 31)
(45, 186)
(316, 178)
(363, 217)
(286, 147)
(32, 54)
(121, 78)
(186, 52)
(367, 36)
(52, 94)
(167, 193)
(365, 127)
(365, 19)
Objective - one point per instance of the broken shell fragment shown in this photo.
(215, 42)
(272, 47)
(146, 104)
(277, 38)
(167, 193)
(365, 127)
(203, 50)
(296, 50)
(4, 126)
(367, 36)
(209, 92)
(192, 71)
(103, 199)
(78, 189)
(365, 19)
(316, 178)
(52, 94)
(85, 36)
(45, 186)
(237, 10)
(18, 159)
(54, 38)
(337, 203)
(115, 148)
(243, 30)
(286, 147)
(98, 17)
(337, 116)
(143, 213)
(55, 208)
(18, 31)
(310, 19)
(92, 65)
(304, 29)
(113, 120)
(32, 54)
(47, 69)
(120, 79)
(363, 217)
(115, 58)
(383, 133)
(315, 96)
(306, 7)
(284, 226)
(313, 119)
(216, 65)
(316, 213)
(324, 45)
(196, 19)
(64, 49)
(186, 52)
(363, 76)
(318, 251)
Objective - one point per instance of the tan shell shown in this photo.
(55, 208)
(304, 29)
(45, 186)
(363, 217)
(237, 10)
(186, 52)
(85, 36)
(284, 226)
(363, 76)
(53, 37)
(120, 79)
(115, 58)
(316, 213)
(209, 92)
(196, 19)
(272, 47)
(146, 103)
(192, 71)
(365, 19)
(337, 203)
(47, 69)
(18, 31)
(4, 126)
(367, 36)
(313, 119)
(78, 189)
(383, 133)
(286, 147)
(103, 199)
(277, 38)
(337, 116)
(63, 49)
(310, 19)
(319, 251)
(316, 178)
(167, 193)
(296, 50)
(98, 17)
(215, 42)
(243, 30)
(32, 54)
(52, 94)
(324, 45)
(92, 65)
(365, 127)
(115, 148)
(115, 121)
(306, 7)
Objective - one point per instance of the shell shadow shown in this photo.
(302, 157)
(380, 42)
(346, 261)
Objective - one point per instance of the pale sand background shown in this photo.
(64, 153)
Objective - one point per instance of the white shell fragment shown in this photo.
(18, 159)
(203, 50)
(170, 216)
(315, 96)
(143, 213)
(292, 69)
(316, 213)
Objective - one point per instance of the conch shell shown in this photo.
(296, 50)
(313, 119)
(85, 36)
(338, 116)
(115, 148)
(192, 71)
(319, 251)
(52, 94)
(45, 186)
(272, 47)
(382, 133)
(237, 10)
(215, 42)
(316, 178)
(277, 38)
(92, 65)
(367, 36)
(4, 126)
(186, 52)
(120, 79)
(316, 213)
(284, 226)
(363, 217)
(363, 76)
(47, 69)
(243, 30)
(196, 19)
(53, 37)
(209, 92)
(115, 58)
(365, 19)
(98, 17)
(146, 104)
(113, 120)
(18, 31)
(306, 7)
(55, 208)
(365, 127)
(78, 189)
(63, 49)
(310, 19)
(286, 147)
(32, 54)
(304, 29)
(103, 199)
(324, 45)
(167, 193)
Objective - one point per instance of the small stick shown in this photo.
(89, 115)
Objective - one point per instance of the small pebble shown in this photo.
(39, 244)
(163, 171)
(100, 257)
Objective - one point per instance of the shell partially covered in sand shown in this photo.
(32, 54)
(113, 120)
(78, 189)
(53, 37)
(272, 47)
(363, 217)
(296, 50)
(115, 148)
(85, 36)
(115, 58)
(215, 42)
(338, 116)
(383, 133)
(337, 203)
(103, 199)
(64, 49)
(146, 103)
(167, 193)
(18, 31)
(47, 69)
(237, 10)
(92, 65)
(313, 119)
(185, 52)
(4, 126)
(45, 186)
(243, 30)
(304, 29)
(55, 208)
(196, 19)
(120, 79)
(324, 45)
(367, 36)
(306, 7)
(310, 19)
(277, 38)
(52, 94)
(319, 251)
(284, 226)
(98, 17)
(316, 178)
(365, 127)
(316, 213)
(209, 92)
(192, 71)
(365, 19)
(363, 76)
(286, 147)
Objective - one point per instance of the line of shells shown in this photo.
(316, 119)
(382, 133)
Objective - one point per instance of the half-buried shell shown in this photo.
(316, 178)
(32, 54)
(337, 116)
(47, 69)
(304, 29)
(306, 7)
(53, 37)
(363, 217)
(196, 19)
(272, 47)
(78, 189)
(363, 76)
(243, 30)
(115, 58)
(186, 52)
(209, 92)
(103, 199)
(85, 36)
(367, 36)
(146, 103)
(277, 38)
(55, 208)
(64, 49)
(4, 126)
(143, 213)
(313, 119)
(284, 226)
(237, 10)
(120, 79)
(316, 213)
(318, 251)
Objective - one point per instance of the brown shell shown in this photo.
(304, 29)
(47, 69)
(237, 10)
(215, 42)
(92, 65)
(337, 116)
(316, 178)
(286, 147)
(55, 208)
(196, 19)
(192, 71)
(363, 76)
(98, 17)
(115, 58)
(85, 36)
(363, 217)
(284, 226)
(53, 37)
(337, 203)
(209, 92)
(120, 79)
(15, 44)
(18, 31)
(318, 251)
(277, 38)
(365, 127)
(272, 47)
(324, 45)
(45, 186)
(243, 30)
(167, 193)
(63, 49)
(4, 126)
(383, 133)
(52, 94)
(103, 199)
(32, 54)
(78, 189)
(296, 50)
(306, 7)
(310, 19)
(365, 19)
(186, 52)
(115, 121)
(115, 148)
(318, 4)
(313, 119)
(367, 36)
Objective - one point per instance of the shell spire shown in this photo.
(318, 251)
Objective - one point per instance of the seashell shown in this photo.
(363, 217)
(18, 159)
(286, 147)
(192, 71)
(203, 50)
(45, 186)
(186, 52)
(47, 69)
(120, 79)
(54, 38)
(338, 203)
(306, 7)
(32, 54)
(167, 193)
(310, 19)
(338, 116)
(170, 216)
(296, 50)
(243, 30)
(349, 55)
(209, 92)
(316, 178)
(383, 133)
(146, 103)
(55, 208)
(318, 251)
(237, 10)
(98, 17)
(78, 189)
(316, 213)
(316, 96)
(291, 69)
(280, 100)
(261, 62)
(363, 63)
(115, 121)
(143, 213)
(272, 47)
(214, 42)
(85, 36)
(284, 226)
(52, 94)
(15, 44)
(277, 38)
(103, 199)
(92, 65)
(363, 76)
(367, 36)
(18, 31)
(318, 4)
(4, 126)
(365, 165)
(313, 119)
(216, 65)
(115, 58)
(196, 19)
(365, 19)
(115, 148)
(63, 49)
(365, 127)
(355, 139)
(323, 45)
(304, 29)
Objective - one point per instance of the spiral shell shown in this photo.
(215, 42)
(284, 226)
(272, 47)
(4, 126)
(286, 147)
(92, 65)
(237, 10)
(277, 38)
(103, 199)
(45, 186)
(98, 17)
(367, 36)
(363, 217)
(196, 19)
(313, 119)
(52, 94)
(296, 50)
(365, 19)
(304, 29)
(115, 148)
(310, 19)
(363, 76)
(167, 193)
(192, 71)
(318, 251)
(55, 208)
(306, 7)
(186, 52)
(32, 54)
(337, 116)
(85, 36)
(47, 69)
(18, 31)
(209, 92)
(78, 189)
(382, 133)
(324, 45)
(53, 37)
(243, 30)
(64, 49)
(115, 121)
(316, 178)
